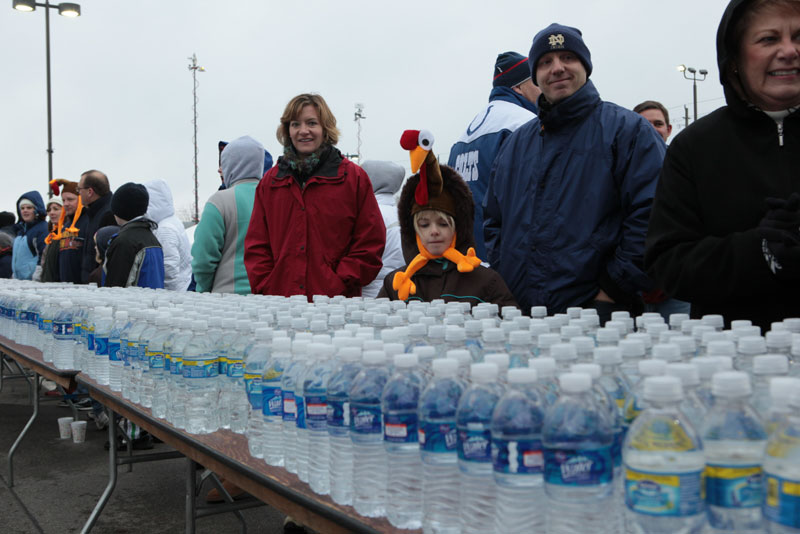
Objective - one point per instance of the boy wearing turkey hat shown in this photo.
(62, 257)
(134, 257)
(436, 214)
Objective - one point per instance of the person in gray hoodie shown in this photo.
(172, 236)
(218, 250)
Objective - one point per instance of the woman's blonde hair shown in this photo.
(295, 107)
(451, 222)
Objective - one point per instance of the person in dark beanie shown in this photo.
(7, 220)
(565, 214)
(512, 103)
(134, 257)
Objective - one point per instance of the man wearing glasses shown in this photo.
(95, 196)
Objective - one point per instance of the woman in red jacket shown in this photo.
(316, 228)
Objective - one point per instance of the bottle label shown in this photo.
(400, 428)
(366, 419)
(438, 437)
(289, 406)
(474, 445)
(254, 387)
(167, 362)
(114, 354)
(338, 414)
(46, 325)
(100, 346)
(740, 486)
(663, 435)
(176, 367)
(272, 403)
(63, 329)
(90, 345)
(316, 412)
(235, 368)
(782, 504)
(616, 446)
(663, 494)
(299, 400)
(155, 360)
(523, 457)
(573, 467)
(198, 368)
(77, 328)
(223, 364)
(632, 411)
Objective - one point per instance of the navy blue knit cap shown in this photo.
(558, 37)
(130, 201)
(510, 69)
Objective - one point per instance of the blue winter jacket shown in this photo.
(473, 154)
(29, 242)
(569, 200)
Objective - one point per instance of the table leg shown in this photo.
(34, 385)
(191, 496)
(112, 473)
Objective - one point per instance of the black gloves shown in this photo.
(780, 233)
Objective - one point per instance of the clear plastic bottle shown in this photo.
(153, 363)
(474, 343)
(635, 403)
(781, 390)
(565, 355)
(139, 322)
(494, 340)
(734, 439)
(748, 348)
(340, 465)
(473, 421)
(200, 371)
(64, 334)
(238, 406)
(255, 361)
(399, 403)
(47, 315)
(584, 347)
(520, 348)
(517, 455)
(691, 405)
(782, 474)
(272, 400)
(546, 371)
(578, 465)
(176, 395)
(116, 359)
(664, 463)
(221, 350)
(315, 392)
(502, 361)
(159, 370)
(765, 368)
(633, 351)
(292, 407)
(366, 433)
(103, 321)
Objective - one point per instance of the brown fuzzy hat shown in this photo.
(66, 186)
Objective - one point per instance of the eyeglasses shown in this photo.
(79, 188)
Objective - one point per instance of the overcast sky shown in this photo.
(122, 92)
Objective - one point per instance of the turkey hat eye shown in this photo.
(425, 139)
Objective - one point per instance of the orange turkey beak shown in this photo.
(418, 156)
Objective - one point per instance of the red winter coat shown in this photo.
(325, 238)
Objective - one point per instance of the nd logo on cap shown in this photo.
(556, 41)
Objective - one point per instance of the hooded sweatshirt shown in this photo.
(29, 241)
(172, 236)
(218, 250)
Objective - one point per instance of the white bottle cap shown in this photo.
(686, 372)
(631, 348)
(721, 348)
(346, 354)
(793, 324)
(122, 315)
(676, 319)
(591, 312)
(669, 352)
(509, 312)
(393, 348)
(652, 367)
(752, 345)
(620, 315)
(473, 327)
(228, 323)
(725, 362)
(687, 344)
(739, 323)
(417, 329)
(405, 360)
(445, 367)
(373, 344)
(730, 384)
(501, 359)
(374, 357)
(483, 373)
(662, 389)
(519, 337)
(591, 369)
(607, 335)
(493, 335)
(538, 311)
(462, 356)
(583, 344)
(717, 321)
(569, 332)
(644, 338)
(200, 325)
(779, 339)
(424, 352)
(706, 366)
(548, 340)
(546, 367)
(522, 375)
(454, 334)
(563, 352)
(770, 364)
(575, 382)
(607, 356)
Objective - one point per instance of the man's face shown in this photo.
(656, 118)
(560, 74)
(86, 193)
(528, 90)
(27, 212)
(70, 203)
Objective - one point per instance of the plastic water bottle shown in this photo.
(520, 349)
(399, 403)
(578, 465)
(734, 439)
(782, 474)
(64, 334)
(664, 463)
(103, 321)
(633, 351)
(115, 353)
(141, 364)
(176, 394)
(255, 361)
(139, 322)
(781, 390)
(46, 326)
(221, 350)
(159, 369)
(748, 348)
(636, 403)
(517, 455)
(766, 368)
(340, 465)
(232, 382)
(153, 363)
(691, 405)
(291, 410)
(473, 421)
(200, 371)
(366, 433)
(272, 400)
(315, 391)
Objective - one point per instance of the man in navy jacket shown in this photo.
(570, 192)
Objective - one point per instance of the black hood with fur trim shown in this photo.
(465, 212)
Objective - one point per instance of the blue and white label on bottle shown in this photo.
(301, 411)
(155, 360)
(194, 369)
(235, 368)
(474, 445)
(366, 419)
(438, 437)
(176, 368)
(254, 387)
(664, 494)
(272, 403)
(584, 467)
(90, 342)
(316, 412)
(101, 346)
(517, 457)
(223, 364)
(734, 486)
(167, 362)
(338, 414)
(400, 427)
(114, 354)
(289, 406)
(782, 504)
(63, 329)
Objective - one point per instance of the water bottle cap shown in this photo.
(372, 344)
(745, 331)
(279, 344)
(631, 348)
(461, 355)
(669, 352)
(200, 325)
(436, 331)
(501, 359)
(228, 323)
(793, 324)
(583, 344)
(739, 323)
(539, 311)
(721, 348)
(591, 369)
(393, 348)
(374, 357)
(538, 328)
(473, 327)
(593, 321)
(483, 373)
(590, 312)
(644, 338)
(652, 367)
(568, 332)
(687, 373)
(563, 351)
(779, 339)
(708, 337)
(522, 375)
(752, 345)
(509, 312)
(668, 335)
(717, 321)
(445, 367)
(389, 336)
(688, 325)
(781, 388)
(405, 360)
(676, 319)
(607, 335)
(424, 352)
(607, 356)
(522, 322)
(706, 367)
(620, 326)
(519, 337)
(730, 384)
(380, 319)
(725, 363)
(656, 329)
(349, 354)
(546, 367)
(574, 312)
(554, 323)
(318, 326)
(663, 388)
(493, 335)
(104, 310)
(770, 364)
(618, 315)
(575, 382)
(454, 334)
(686, 344)
(320, 351)
(122, 315)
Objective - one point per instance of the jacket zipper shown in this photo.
(780, 132)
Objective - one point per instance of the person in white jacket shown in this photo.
(172, 236)
(386, 178)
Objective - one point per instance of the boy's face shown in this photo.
(435, 232)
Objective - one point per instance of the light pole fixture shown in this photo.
(65, 9)
(195, 68)
(694, 72)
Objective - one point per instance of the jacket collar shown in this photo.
(327, 170)
(574, 108)
(506, 94)
(98, 205)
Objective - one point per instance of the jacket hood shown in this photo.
(386, 176)
(464, 216)
(507, 94)
(161, 204)
(38, 203)
(726, 51)
(243, 158)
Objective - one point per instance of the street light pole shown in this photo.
(194, 67)
(694, 72)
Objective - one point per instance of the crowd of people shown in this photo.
(552, 197)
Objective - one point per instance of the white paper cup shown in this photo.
(63, 427)
(78, 431)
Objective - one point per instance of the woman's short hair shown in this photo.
(451, 222)
(329, 130)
